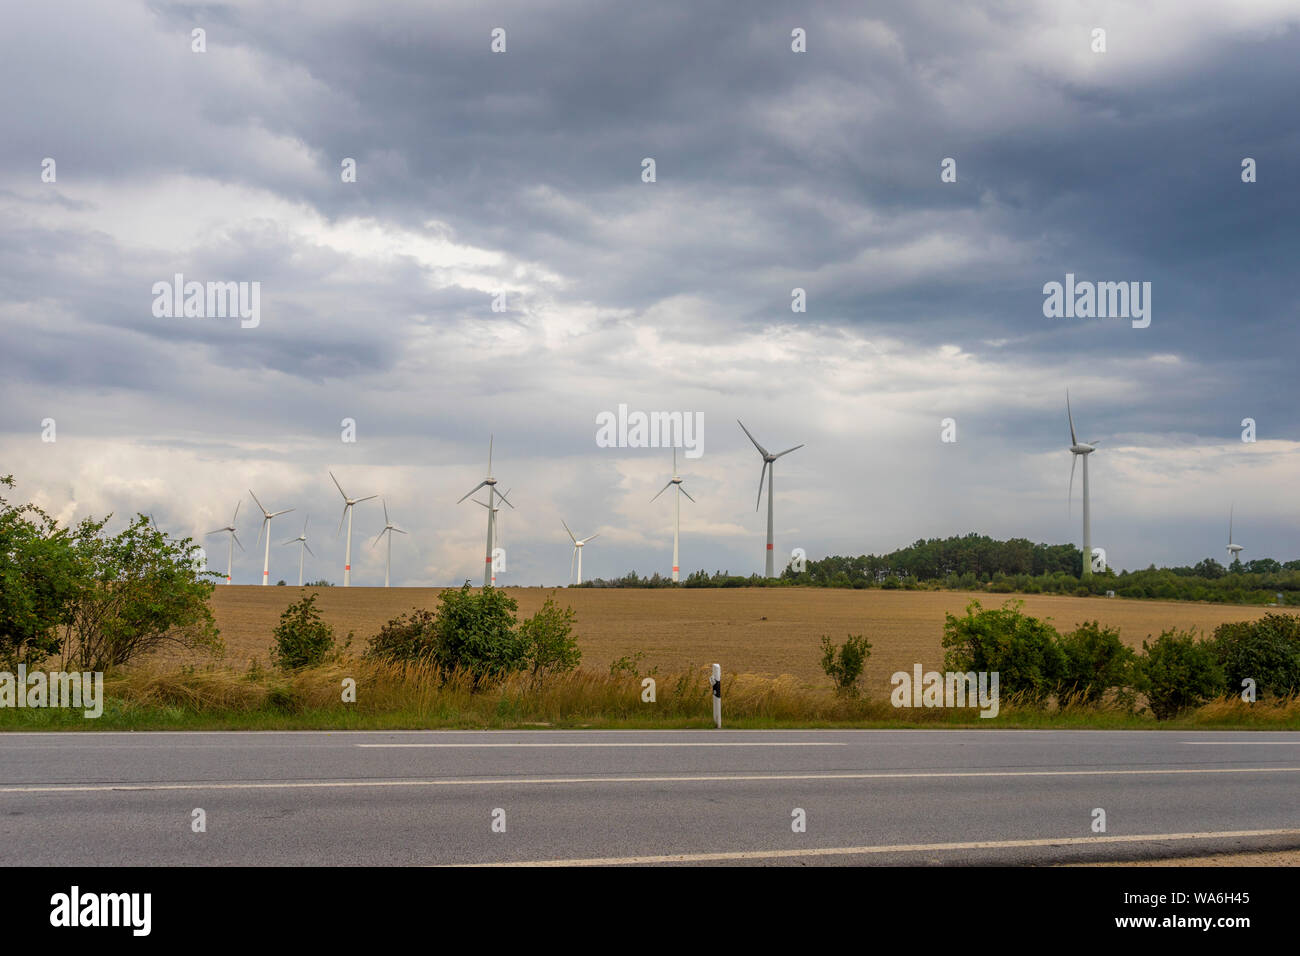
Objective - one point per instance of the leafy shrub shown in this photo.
(1096, 661)
(302, 639)
(1178, 671)
(844, 664)
(408, 637)
(1267, 651)
(1025, 651)
(549, 646)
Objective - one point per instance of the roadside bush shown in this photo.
(1025, 651)
(1178, 671)
(302, 638)
(549, 646)
(409, 637)
(1266, 651)
(1096, 661)
(844, 664)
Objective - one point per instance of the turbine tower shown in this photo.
(578, 544)
(347, 513)
(234, 540)
(1081, 450)
(497, 536)
(266, 530)
(768, 468)
(491, 485)
(389, 528)
(1233, 549)
(677, 510)
(302, 542)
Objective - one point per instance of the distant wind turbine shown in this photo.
(491, 484)
(348, 504)
(768, 468)
(1233, 549)
(234, 540)
(389, 528)
(266, 530)
(677, 510)
(1081, 450)
(302, 545)
(578, 544)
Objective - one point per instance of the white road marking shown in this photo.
(897, 848)
(1241, 743)
(705, 778)
(631, 743)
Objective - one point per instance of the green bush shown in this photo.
(1096, 661)
(302, 639)
(844, 664)
(1025, 651)
(549, 646)
(409, 637)
(1266, 651)
(1178, 671)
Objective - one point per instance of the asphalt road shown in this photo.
(704, 797)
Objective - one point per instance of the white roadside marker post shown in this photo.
(716, 681)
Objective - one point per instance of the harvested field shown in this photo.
(765, 631)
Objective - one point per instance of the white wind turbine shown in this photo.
(768, 468)
(491, 484)
(578, 544)
(1233, 549)
(676, 479)
(1081, 450)
(497, 536)
(389, 528)
(266, 530)
(347, 513)
(234, 540)
(302, 544)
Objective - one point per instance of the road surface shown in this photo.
(643, 797)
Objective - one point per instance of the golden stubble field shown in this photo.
(765, 631)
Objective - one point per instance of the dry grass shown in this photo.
(765, 632)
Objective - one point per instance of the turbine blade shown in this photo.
(592, 538)
(290, 541)
(309, 550)
(218, 531)
(259, 504)
(572, 561)
(566, 528)
(1070, 416)
(662, 490)
(304, 522)
(1069, 501)
(761, 450)
(761, 475)
(385, 504)
(399, 531)
(341, 517)
(237, 504)
(236, 537)
(338, 486)
(278, 513)
(472, 490)
(491, 439)
(366, 498)
(377, 537)
(686, 493)
(505, 499)
(788, 450)
(477, 502)
(265, 522)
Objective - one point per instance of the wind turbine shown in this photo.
(498, 537)
(266, 530)
(1081, 450)
(768, 468)
(347, 513)
(677, 510)
(389, 528)
(234, 540)
(1233, 549)
(491, 484)
(578, 544)
(302, 541)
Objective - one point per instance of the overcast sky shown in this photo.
(521, 172)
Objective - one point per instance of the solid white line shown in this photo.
(1241, 743)
(630, 743)
(706, 778)
(897, 848)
